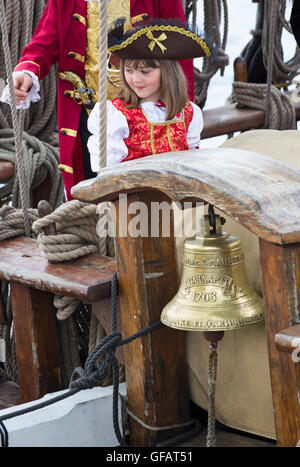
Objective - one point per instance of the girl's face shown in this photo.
(144, 81)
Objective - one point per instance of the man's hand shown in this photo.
(22, 84)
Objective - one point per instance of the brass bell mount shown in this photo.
(214, 292)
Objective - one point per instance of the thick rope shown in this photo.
(41, 119)
(12, 221)
(40, 159)
(281, 109)
(212, 378)
(24, 189)
(103, 82)
(28, 31)
(76, 225)
(274, 23)
(213, 10)
(271, 10)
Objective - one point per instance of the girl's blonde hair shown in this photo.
(173, 85)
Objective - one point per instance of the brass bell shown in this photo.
(214, 294)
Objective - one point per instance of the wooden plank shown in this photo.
(288, 339)
(155, 363)
(230, 118)
(259, 192)
(36, 342)
(281, 291)
(87, 279)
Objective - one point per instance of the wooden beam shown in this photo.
(155, 364)
(36, 342)
(257, 191)
(281, 291)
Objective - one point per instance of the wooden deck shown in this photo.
(228, 438)
(9, 397)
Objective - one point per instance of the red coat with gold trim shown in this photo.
(62, 30)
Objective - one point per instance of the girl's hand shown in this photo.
(22, 83)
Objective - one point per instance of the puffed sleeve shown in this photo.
(195, 128)
(117, 131)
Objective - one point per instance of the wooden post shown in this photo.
(36, 342)
(281, 289)
(155, 363)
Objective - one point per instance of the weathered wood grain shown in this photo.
(281, 291)
(88, 279)
(229, 119)
(155, 364)
(36, 342)
(259, 192)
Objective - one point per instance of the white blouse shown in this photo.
(117, 131)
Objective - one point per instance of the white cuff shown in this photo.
(195, 128)
(33, 93)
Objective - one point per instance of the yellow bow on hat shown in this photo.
(156, 40)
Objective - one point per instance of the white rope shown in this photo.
(16, 127)
(103, 82)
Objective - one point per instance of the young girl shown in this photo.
(153, 114)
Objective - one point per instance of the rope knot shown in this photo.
(98, 363)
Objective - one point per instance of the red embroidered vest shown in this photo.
(147, 138)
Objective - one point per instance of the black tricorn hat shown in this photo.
(157, 39)
(295, 21)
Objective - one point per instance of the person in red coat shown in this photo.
(295, 21)
(67, 34)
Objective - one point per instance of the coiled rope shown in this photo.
(24, 192)
(213, 12)
(279, 110)
(40, 159)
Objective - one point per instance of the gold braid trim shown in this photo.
(66, 168)
(29, 61)
(169, 28)
(80, 18)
